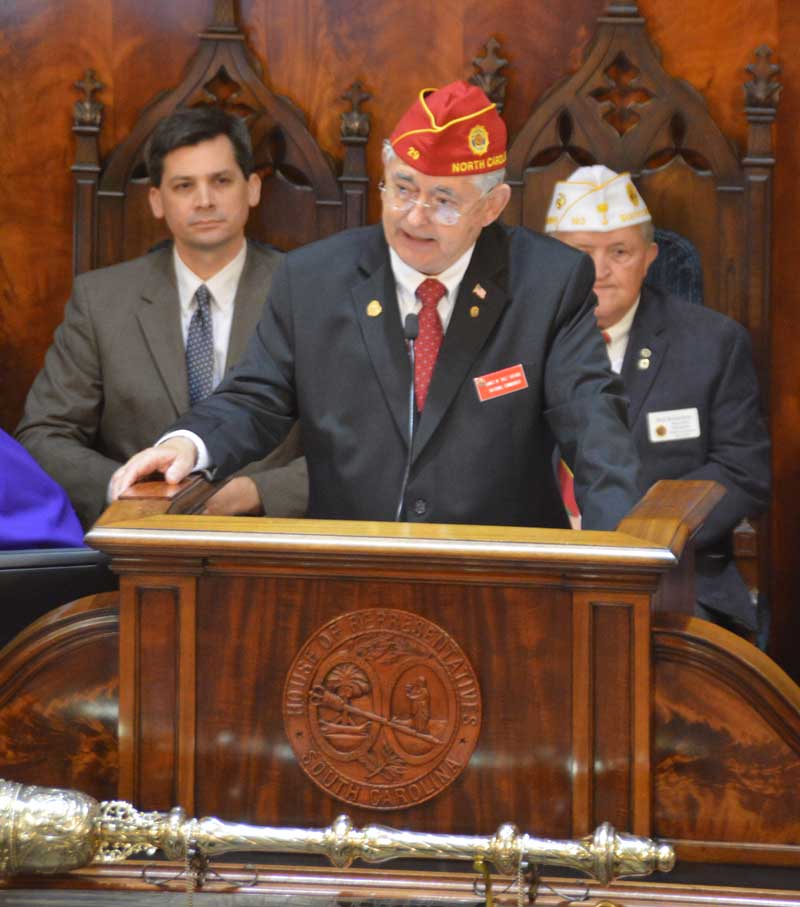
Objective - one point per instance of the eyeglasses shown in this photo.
(443, 210)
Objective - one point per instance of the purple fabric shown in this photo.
(35, 511)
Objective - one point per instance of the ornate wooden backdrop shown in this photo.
(311, 49)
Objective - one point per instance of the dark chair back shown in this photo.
(677, 270)
(34, 581)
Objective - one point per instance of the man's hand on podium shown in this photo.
(175, 459)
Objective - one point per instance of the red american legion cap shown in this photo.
(451, 131)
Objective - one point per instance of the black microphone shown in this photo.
(410, 332)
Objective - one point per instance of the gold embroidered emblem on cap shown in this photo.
(603, 209)
(412, 152)
(478, 139)
(632, 194)
(374, 309)
(474, 311)
(561, 200)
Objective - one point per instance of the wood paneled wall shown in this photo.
(311, 51)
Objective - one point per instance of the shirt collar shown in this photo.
(222, 285)
(409, 278)
(620, 331)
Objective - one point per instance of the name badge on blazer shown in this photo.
(498, 384)
(673, 425)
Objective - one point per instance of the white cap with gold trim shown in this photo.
(596, 199)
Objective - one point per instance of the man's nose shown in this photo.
(204, 196)
(601, 264)
(419, 214)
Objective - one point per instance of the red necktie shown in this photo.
(429, 339)
(566, 482)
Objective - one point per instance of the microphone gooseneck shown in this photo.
(410, 332)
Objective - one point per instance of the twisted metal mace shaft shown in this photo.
(46, 830)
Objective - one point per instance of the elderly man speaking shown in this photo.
(694, 401)
(507, 359)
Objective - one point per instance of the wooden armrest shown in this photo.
(671, 512)
(152, 497)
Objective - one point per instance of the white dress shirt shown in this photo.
(407, 280)
(620, 334)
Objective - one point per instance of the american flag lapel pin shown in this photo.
(479, 291)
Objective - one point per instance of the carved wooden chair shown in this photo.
(303, 198)
(623, 110)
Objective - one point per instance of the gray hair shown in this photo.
(485, 182)
(648, 231)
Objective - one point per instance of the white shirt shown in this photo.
(222, 287)
(620, 334)
(407, 279)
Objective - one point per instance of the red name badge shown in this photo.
(497, 384)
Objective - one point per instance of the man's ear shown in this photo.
(652, 253)
(253, 189)
(156, 205)
(496, 202)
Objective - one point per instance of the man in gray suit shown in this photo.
(135, 336)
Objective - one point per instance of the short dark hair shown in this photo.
(190, 126)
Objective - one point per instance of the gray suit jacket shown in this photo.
(115, 378)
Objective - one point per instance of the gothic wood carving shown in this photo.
(302, 199)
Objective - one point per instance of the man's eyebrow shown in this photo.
(193, 176)
(405, 177)
(444, 190)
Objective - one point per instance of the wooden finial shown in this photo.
(88, 111)
(488, 75)
(355, 122)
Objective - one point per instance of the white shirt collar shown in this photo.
(619, 334)
(409, 278)
(222, 285)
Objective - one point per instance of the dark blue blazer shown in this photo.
(330, 350)
(700, 359)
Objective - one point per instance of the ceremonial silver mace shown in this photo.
(48, 830)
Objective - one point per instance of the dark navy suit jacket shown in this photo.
(330, 350)
(700, 359)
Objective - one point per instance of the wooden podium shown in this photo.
(436, 678)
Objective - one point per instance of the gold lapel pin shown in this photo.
(374, 309)
(645, 352)
(479, 291)
(474, 311)
(643, 364)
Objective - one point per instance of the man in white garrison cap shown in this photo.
(694, 401)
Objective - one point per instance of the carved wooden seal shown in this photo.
(382, 708)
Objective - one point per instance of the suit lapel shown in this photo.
(647, 333)
(251, 294)
(375, 303)
(159, 317)
(482, 290)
